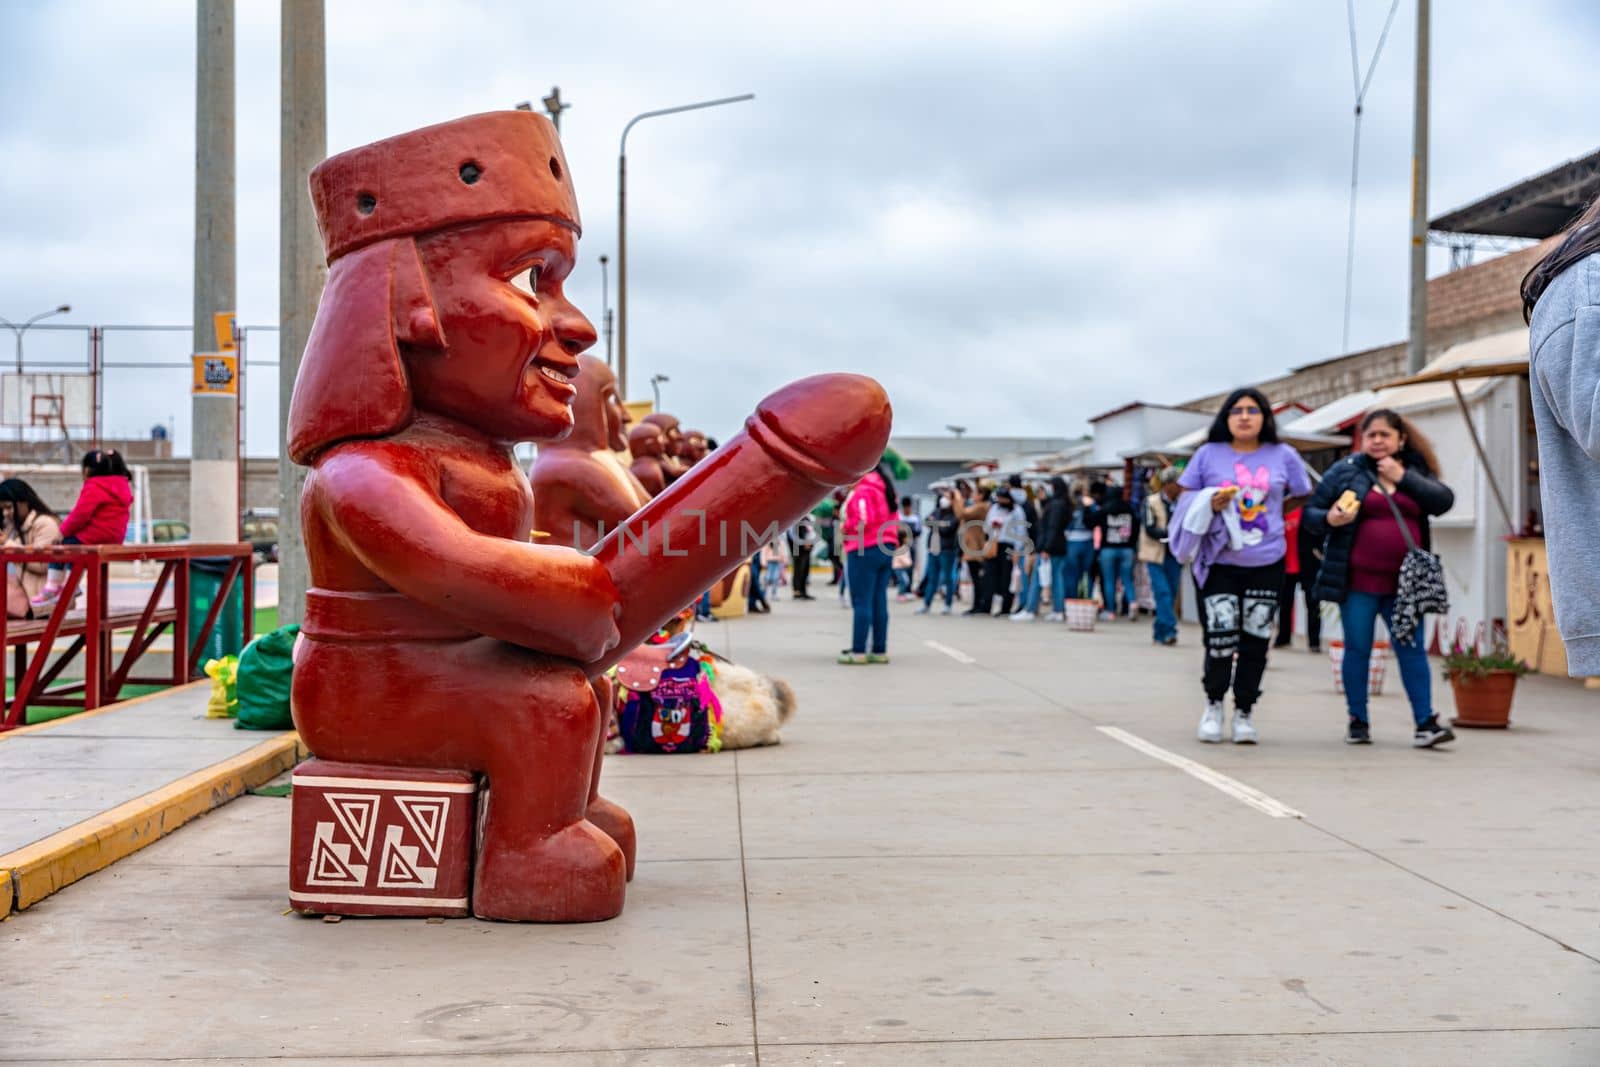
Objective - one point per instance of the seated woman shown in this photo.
(29, 522)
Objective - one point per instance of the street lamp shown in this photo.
(18, 331)
(622, 226)
(655, 388)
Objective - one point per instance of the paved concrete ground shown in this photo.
(79, 767)
(946, 862)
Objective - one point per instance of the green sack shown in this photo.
(265, 668)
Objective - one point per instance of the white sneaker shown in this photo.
(945, 610)
(1244, 731)
(923, 610)
(1211, 723)
(1055, 616)
(1022, 616)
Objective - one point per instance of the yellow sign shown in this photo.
(227, 324)
(216, 374)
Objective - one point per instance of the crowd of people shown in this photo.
(1242, 515)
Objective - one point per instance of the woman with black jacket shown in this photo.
(1053, 523)
(1392, 478)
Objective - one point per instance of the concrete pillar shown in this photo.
(303, 143)
(214, 477)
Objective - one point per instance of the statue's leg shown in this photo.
(606, 814)
(526, 721)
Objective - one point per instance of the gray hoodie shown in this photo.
(1564, 369)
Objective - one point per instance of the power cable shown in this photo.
(1360, 85)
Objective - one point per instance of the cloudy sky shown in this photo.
(1016, 215)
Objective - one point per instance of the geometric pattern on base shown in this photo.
(371, 840)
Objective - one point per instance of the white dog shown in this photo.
(754, 706)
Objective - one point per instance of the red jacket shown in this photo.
(100, 517)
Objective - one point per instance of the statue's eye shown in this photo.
(528, 281)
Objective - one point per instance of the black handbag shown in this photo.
(1422, 589)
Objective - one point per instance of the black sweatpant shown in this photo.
(802, 569)
(996, 581)
(1238, 606)
(1308, 582)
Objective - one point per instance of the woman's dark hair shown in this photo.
(1417, 451)
(1221, 435)
(17, 491)
(102, 462)
(888, 485)
(1058, 487)
(1582, 241)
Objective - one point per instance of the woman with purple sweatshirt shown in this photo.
(1235, 488)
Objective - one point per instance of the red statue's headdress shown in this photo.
(371, 203)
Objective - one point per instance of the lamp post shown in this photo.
(655, 388)
(622, 226)
(605, 307)
(18, 331)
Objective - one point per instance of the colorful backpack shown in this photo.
(665, 703)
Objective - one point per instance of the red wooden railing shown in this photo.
(92, 627)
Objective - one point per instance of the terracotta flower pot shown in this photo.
(1486, 701)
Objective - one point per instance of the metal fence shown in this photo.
(142, 379)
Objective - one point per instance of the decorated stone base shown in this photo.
(372, 840)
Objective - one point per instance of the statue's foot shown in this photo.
(616, 824)
(575, 875)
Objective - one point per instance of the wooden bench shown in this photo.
(91, 629)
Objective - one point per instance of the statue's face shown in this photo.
(694, 446)
(645, 441)
(511, 337)
(617, 417)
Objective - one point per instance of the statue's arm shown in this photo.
(385, 506)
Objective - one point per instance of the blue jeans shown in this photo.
(1117, 563)
(1067, 571)
(943, 570)
(774, 576)
(1164, 579)
(868, 575)
(1032, 585)
(1359, 617)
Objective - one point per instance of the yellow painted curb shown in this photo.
(35, 871)
(118, 706)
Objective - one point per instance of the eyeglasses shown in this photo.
(1244, 411)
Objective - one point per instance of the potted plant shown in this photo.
(1484, 684)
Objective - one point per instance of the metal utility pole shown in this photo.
(1417, 354)
(214, 452)
(303, 143)
(605, 306)
(622, 227)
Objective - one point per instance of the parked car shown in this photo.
(160, 532)
(260, 528)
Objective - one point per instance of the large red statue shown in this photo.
(439, 634)
(581, 489)
(672, 466)
(648, 448)
(695, 447)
